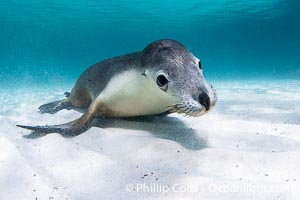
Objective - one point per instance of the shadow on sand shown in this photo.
(164, 127)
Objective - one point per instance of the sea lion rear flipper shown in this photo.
(69, 129)
(67, 94)
(55, 106)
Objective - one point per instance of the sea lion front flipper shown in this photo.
(69, 129)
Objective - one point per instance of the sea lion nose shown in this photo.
(204, 100)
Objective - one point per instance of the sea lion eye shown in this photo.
(199, 64)
(162, 81)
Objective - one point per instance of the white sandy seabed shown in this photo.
(248, 147)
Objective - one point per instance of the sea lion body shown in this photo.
(126, 94)
(163, 78)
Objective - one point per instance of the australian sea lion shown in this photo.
(163, 78)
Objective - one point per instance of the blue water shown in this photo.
(52, 42)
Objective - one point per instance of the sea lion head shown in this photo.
(179, 74)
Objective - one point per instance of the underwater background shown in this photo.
(52, 42)
(246, 147)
